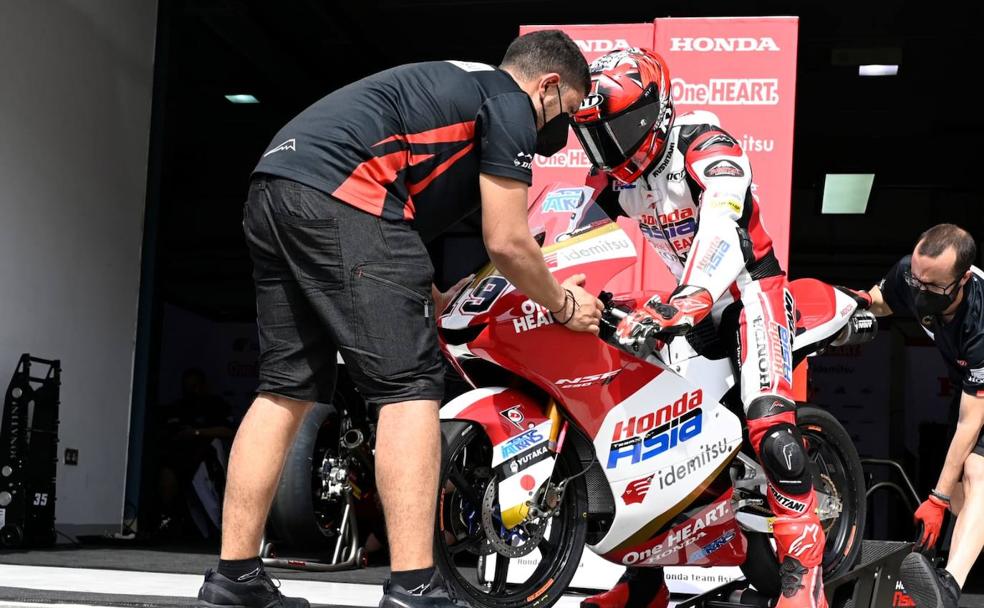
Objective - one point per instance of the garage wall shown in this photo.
(75, 105)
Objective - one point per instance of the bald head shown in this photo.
(950, 246)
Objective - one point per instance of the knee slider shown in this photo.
(784, 459)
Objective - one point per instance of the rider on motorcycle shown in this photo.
(689, 185)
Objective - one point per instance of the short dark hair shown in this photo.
(940, 237)
(537, 53)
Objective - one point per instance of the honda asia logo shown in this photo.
(714, 256)
(636, 491)
(644, 437)
(679, 538)
(583, 381)
(773, 351)
(677, 227)
(521, 442)
(901, 599)
(601, 46)
(727, 92)
(723, 45)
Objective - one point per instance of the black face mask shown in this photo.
(552, 137)
(929, 304)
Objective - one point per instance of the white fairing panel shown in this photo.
(660, 444)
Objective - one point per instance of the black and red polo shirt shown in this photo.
(409, 143)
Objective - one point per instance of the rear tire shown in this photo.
(292, 521)
(835, 460)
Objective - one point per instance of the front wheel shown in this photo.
(837, 472)
(475, 553)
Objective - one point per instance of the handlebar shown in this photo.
(613, 313)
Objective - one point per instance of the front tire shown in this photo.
(461, 544)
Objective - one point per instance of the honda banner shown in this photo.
(742, 70)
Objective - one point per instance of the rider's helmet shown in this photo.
(625, 118)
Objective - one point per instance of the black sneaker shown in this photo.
(258, 592)
(929, 587)
(432, 595)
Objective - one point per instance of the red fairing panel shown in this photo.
(503, 413)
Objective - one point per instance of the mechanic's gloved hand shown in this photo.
(930, 515)
(862, 298)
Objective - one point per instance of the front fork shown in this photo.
(549, 495)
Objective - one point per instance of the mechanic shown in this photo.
(338, 211)
(938, 285)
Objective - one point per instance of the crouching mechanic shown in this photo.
(673, 175)
(939, 286)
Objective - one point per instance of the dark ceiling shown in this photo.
(918, 132)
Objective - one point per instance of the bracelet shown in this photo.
(940, 496)
(568, 296)
(574, 308)
(562, 306)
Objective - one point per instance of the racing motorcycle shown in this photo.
(567, 441)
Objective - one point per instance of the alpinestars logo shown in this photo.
(290, 144)
(805, 541)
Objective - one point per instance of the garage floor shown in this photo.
(113, 576)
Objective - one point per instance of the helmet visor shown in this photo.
(612, 140)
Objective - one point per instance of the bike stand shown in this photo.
(873, 581)
(348, 555)
(871, 584)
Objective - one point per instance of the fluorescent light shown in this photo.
(242, 99)
(846, 192)
(878, 70)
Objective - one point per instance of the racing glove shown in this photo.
(862, 298)
(930, 515)
(686, 308)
